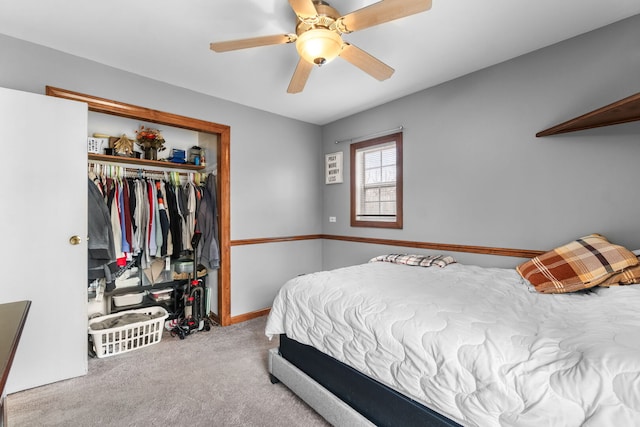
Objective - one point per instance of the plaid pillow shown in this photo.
(581, 264)
(628, 276)
(418, 260)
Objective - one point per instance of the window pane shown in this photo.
(389, 156)
(372, 159)
(371, 208)
(388, 174)
(372, 195)
(388, 208)
(388, 195)
(372, 176)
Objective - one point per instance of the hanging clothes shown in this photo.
(190, 214)
(122, 208)
(150, 218)
(115, 222)
(207, 224)
(151, 235)
(101, 252)
(163, 220)
(142, 218)
(175, 226)
(132, 205)
(126, 218)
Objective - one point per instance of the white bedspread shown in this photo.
(475, 343)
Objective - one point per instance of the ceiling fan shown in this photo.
(319, 31)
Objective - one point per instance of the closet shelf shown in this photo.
(623, 111)
(144, 162)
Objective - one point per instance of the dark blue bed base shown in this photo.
(375, 401)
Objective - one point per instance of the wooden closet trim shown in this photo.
(107, 106)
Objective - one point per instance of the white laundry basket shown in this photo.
(121, 339)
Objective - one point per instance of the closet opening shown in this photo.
(213, 137)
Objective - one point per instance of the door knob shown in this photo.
(75, 240)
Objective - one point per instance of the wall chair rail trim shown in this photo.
(486, 250)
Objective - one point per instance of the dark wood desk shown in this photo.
(12, 318)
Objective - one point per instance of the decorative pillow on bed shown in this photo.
(628, 276)
(581, 264)
(419, 260)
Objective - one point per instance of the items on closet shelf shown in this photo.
(153, 215)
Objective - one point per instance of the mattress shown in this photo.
(475, 344)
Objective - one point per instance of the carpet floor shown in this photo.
(213, 378)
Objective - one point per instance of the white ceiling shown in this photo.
(168, 40)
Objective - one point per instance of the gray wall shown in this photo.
(275, 161)
(474, 172)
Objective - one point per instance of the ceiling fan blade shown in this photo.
(303, 8)
(300, 76)
(252, 42)
(367, 63)
(381, 12)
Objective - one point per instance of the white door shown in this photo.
(43, 188)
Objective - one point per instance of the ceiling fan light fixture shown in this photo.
(319, 46)
(318, 36)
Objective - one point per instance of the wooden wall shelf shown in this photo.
(143, 162)
(623, 111)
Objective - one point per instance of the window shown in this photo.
(376, 182)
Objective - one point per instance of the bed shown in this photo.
(388, 343)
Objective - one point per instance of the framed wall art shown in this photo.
(333, 168)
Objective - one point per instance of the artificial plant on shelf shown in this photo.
(123, 146)
(151, 141)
